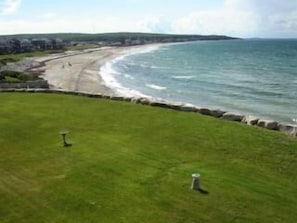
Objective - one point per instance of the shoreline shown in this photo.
(288, 129)
(80, 71)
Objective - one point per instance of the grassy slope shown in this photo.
(132, 163)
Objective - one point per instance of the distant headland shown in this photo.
(30, 42)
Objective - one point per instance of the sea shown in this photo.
(253, 77)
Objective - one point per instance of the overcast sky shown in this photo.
(240, 18)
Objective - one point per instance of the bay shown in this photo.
(254, 77)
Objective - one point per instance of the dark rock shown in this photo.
(268, 124)
(204, 111)
(186, 108)
(217, 113)
(159, 104)
(250, 120)
(175, 106)
(117, 98)
(290, 130)
(232, 116)
(144, 101)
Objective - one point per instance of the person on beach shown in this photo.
(69, 64)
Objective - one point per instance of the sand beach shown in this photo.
(79, 70)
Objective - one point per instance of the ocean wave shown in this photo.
(192, 73)
(156, 87)
(184, 77)
(137, 51)
(108, 75)
(148, 66)
(129, 77)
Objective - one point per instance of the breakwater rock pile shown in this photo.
(288, 129)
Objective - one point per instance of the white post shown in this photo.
(195, 181)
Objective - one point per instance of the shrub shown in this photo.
(16, 76)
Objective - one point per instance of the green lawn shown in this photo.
(133, 163)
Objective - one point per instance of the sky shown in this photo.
(237, 18)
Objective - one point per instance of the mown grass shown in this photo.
(133, 163)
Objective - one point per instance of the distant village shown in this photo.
(8, 45)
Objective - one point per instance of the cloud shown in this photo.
(243, 18)
(154, 24)
(48, 15)
(86, 25)
(283, 24)
(225, 21)
(228, 20)
(9, 7)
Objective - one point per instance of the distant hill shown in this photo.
(84, 37)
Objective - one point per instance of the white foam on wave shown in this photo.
(108, 75)
(184, 77)
(129, 77)
(156, 87)
(145, 49)
(138, 50)
(146, 66)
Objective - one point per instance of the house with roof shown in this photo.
(26, 45)
(5, 46)
(41, 44)
(57, 44)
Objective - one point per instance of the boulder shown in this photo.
(204, 111)
(30, 90)
(144, 101)
(40, 90)
(70, 92)
(175, 106)
(250, 120)
(187, 108)
(217, 113)
(95, 96)
(20, 90)
(117, 98)
(213, 113)
(290, 130)
(106, 96)
(135, 100)
(268, 124)
(232, 116)
(56, 91)
(160, 104)
(83, 93)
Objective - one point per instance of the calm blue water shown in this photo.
(256, 77)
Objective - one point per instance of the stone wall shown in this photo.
(288, 129)
(28, 84)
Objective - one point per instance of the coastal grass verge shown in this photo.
(133, 163)
(8, 58)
